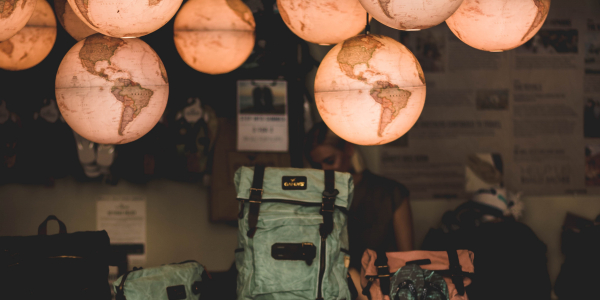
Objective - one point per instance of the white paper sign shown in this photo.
(262, 116)
(124, 219)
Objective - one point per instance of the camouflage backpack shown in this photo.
(413, 283)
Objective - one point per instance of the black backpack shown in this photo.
(510, 260)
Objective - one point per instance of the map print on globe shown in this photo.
(370, 89)
(70, 21)
(32, 43)
(413, 14)
(111, 90)
(125, 18)
(498, 25)
(14, 14)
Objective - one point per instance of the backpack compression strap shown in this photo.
(328, 205)
(256, 192)
(456, 272)
(383, 272)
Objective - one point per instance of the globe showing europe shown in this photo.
(370, 89)
(14, 14)
(111, 90)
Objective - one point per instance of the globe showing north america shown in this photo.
(125, 18)
(370, 89)
(14, 14)
(111, 90)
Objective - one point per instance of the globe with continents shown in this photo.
(14, 14)
(370, 89)
(111, 90)
(70, 21)
(125, 18)
(411, 15)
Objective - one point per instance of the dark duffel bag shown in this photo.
(62, 266)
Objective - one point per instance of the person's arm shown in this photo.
(403, 227)
(355, 276)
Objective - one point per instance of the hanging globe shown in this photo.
(323, 22)
(14, 14)
(214, 36)
(111, 90)
(411, 15)
(498, 25)
(31, 44)
(125, 18)
(370, 89)
(70, 21)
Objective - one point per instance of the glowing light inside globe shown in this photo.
(14, 14)
(125, 18)
(70, 21)
(32, 43)
(370, 89)
(411, 15)
(111, 90)
(323, 22)
(214, 36)
(498, 25)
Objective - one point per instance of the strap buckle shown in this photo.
(383, 271)
(256, 190)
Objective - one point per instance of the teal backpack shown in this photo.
(292, 239)
(413, 283)
(183, 281)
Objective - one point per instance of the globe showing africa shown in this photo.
(70, 21)
(125, 18)
(14, 14)
(111, 90)
(31, 44)
(498, 25)
(413, 14)
(370, 89)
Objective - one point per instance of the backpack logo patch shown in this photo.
(293, 182)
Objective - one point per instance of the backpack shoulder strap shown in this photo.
(328, 204)
(456, 272)
(256, 192)
(383, 272)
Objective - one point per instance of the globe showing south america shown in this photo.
(111, 90)
(370, 89)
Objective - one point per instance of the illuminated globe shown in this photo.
(370, 89)
(14, 14)
(31, 44)
(214, 36)
(111, 90)
(323, 21)
(125, 18)
(411, 15)
(498, 25)
(70, 21)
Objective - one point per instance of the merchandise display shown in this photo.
(214, 37)
(411, 15)
(35, 267)
(275, 204)
(32, 43)
(70, 21)
(125, 18)
(370, 89)
(323, 22)
(111, 90)
(498, 25)
(13, 16)
(187, 280)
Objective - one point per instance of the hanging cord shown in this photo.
(368, 26)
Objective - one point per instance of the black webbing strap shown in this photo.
(456, 272)
(328, 204)
(383, 272)
(351, 287)
(120, 295)
(256, 192)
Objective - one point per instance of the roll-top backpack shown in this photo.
(187, 280)
(293, 239)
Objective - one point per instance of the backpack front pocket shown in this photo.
(286, 254)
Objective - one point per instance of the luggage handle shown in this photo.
(42, 229)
